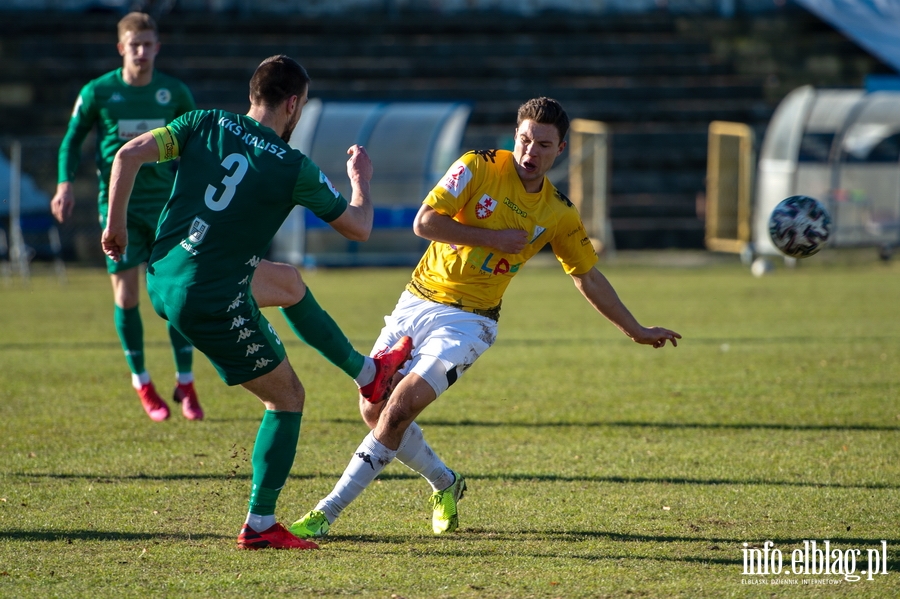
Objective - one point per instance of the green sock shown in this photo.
(273, 456)
(317, 329)
(131, 333)
(183, 351)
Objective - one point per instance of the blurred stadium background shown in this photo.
(647, 78)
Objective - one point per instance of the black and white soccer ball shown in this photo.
(799, 226)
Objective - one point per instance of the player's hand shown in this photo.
(657, 337)
(359, 165)
(114, 243)
(63, 202)
(510, 241)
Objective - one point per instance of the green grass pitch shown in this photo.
(596, 467)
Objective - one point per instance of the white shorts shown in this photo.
(446, 340)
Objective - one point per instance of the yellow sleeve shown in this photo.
(572, 245)
(455, 189)
(167, 144)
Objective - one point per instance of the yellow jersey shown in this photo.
(483, 189)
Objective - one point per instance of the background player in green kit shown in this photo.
(237, 182)
(122, 104)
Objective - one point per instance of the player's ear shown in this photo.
(121, 48)
(562, 146)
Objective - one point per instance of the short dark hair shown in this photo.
(137, 22)
(276, 79)
(545, 111)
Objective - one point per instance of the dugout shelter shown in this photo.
(841, 147)
(411, 144)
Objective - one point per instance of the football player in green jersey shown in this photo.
(237, 182)
(121, 105)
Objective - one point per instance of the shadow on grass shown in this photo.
(638, 424)
(715, 341)
(461, 544)
(103, 535)
(113, 344)
(114, 479)
(836, 542)
(524, 477)
(439, 545)
(450, 545)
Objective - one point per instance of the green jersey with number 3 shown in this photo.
(237, 183)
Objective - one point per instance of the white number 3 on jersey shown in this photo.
(229, 181)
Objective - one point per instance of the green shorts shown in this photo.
(141, 233)
(241, 343)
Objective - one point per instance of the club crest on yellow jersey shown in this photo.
(485, 206)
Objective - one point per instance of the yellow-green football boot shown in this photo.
(445, 517)
(313, 525)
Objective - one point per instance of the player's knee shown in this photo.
(126, 297)
(296, 398)
(396, 417)
(292, 284)
(370, 412)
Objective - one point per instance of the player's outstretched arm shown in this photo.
(434, 226)
(125, 168)
(599, 293)
(356, 221)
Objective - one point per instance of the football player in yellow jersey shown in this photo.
(491, 212)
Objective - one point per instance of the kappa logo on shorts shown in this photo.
(244, 334)
(254, 261)
(262, 363)
(235, 304)
(486, 206)
(244, 281)
(238, 322)
(253, 348)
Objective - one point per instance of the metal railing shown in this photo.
(27, 229)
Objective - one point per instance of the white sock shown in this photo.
(184, 378)
(260, 523)
(367, 374)
(367, 463)
(418, 456)
(139, 380)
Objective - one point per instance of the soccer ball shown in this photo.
(799, 226)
